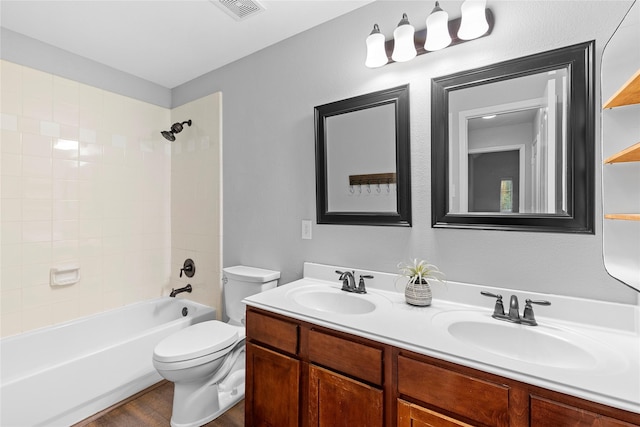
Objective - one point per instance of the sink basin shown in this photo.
(333, 300)
(540, 345)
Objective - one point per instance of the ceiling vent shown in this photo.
(239, 9)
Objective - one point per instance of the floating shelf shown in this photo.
(628, 94)
(631, 154)
(626, 217)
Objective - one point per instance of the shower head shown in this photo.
(175, 128)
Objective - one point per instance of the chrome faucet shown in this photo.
(349, 282)
(514, 310)
(527, 318)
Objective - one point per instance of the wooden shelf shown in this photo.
(626, 217)
(628, 94)
(631, 154)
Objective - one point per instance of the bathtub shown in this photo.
(62, 374)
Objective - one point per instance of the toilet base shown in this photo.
(227, 401)
(196, 404)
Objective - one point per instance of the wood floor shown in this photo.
(153, 408)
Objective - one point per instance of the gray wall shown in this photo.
(269, 178)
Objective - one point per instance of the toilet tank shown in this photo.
(242, 281)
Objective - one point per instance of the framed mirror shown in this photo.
(363, 169)
(513, 144)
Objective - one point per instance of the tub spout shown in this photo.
(175, 292)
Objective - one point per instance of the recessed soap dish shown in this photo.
(64, 276)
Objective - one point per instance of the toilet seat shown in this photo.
(211, 338)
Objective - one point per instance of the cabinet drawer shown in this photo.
(273, 332)
(349, 357)
(472, 398)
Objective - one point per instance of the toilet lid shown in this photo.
(196, 341)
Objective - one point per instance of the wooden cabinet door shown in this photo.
(410, 415)
(339, 401)
(545, 413)
(272, 389)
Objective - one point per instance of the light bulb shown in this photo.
(404, 48)
(376, 52)
(437, 29)
(474, 20)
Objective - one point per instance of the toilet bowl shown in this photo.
(206, 361)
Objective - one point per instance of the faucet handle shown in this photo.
(498, 310)
(361, 288)
(528, 317)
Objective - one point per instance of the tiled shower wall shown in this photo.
(196, 196)
(86, 180)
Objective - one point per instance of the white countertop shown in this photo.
(610, 332)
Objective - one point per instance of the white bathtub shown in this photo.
(62, 374)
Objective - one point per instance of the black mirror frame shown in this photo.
(580, 61)
(398, 96)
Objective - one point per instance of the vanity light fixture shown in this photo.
(407, 43)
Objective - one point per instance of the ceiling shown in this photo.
(168, 42)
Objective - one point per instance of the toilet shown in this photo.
(206, 361)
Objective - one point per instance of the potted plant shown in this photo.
(416, 275)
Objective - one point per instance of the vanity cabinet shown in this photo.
(273, 372)
(301, 374)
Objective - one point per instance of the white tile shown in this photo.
(11, 101)
(66, 251)
(37, 83)
(11, 233)
(66, 209)
(88, 135)
(36, 317)
(11, 164)
(89, 228)
(10, 301)
(90, 152)
(11, 255)
(36, 278)
(36, 188)
(50, 129)
(66, 149)
(65, 169)
(66, 91)
(36, 167)
(65, 230)
(29, 125)
(36, 253)
(89, 171)
(10, 142)
(36, 210)
(10, 324)
(37, 108)
(8, 122)
(66, 114)
(65, 190)
(11, 210)
(10, 187)
(11, 276)
(36, 145)
(36, 231)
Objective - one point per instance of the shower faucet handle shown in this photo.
(189, 268)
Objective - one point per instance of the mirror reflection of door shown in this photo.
(494, 181)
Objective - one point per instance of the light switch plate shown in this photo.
(306, 229)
